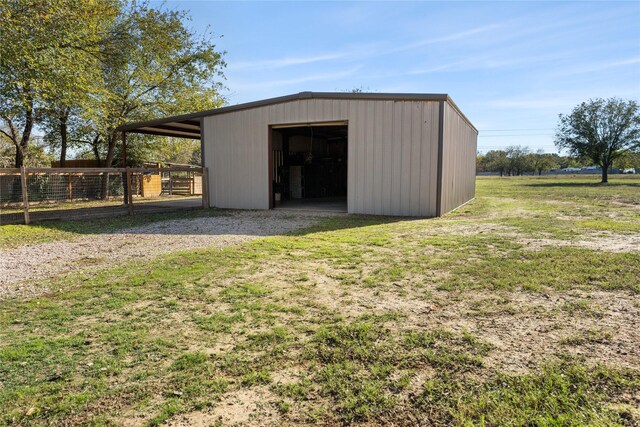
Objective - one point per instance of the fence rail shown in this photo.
(28, 194)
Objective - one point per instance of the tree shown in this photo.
(518, 159)
(78, 69)
(541, 161)
(629, 160)
(600, 130)
(49, 47)
(160, 68)
(496, 161)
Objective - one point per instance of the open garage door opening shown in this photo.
(309, 166)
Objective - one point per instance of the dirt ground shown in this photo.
(20, 267)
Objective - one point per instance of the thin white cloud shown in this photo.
(287, 62)
(550, 102)
(359, 52)
(239, 86)
(604, 66)
(462, 35)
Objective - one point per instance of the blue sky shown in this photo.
(511, 67)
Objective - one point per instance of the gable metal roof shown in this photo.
(188, 125)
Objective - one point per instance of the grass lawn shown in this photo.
(521, 308)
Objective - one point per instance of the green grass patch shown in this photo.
(561, 394)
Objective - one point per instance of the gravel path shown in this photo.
(22, 269)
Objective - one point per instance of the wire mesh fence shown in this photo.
(28, 195)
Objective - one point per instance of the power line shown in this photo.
(513, 130)
(517, 134)
(501, 146)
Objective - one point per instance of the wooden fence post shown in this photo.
(70, 188)
(129, 192)
(205, 188)
(25, 194)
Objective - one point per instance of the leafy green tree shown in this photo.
(81, 68)
(542, 162)
(48, 48)
(629, 160)
(160, 68)
(518, 159)
(601, 130)
(6, 152)
(497, 161)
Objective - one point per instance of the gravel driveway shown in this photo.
(22, 269)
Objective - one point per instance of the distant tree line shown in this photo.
(75, 70)
(519, 160)
(601, 132)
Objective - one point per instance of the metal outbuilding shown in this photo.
(377, 153)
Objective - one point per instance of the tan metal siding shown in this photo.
(459, 160)
(392, 154)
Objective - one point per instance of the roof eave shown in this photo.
(130, 127)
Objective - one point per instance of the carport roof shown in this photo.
(188, 125)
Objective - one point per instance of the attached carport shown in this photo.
(178, 127)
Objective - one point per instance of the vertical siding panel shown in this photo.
(242, 154)
(322, 110)
(378, 158)
(396, 170)
(216, 135)
(289, 113)
(433, 168)
(222, 146)
(251, 154)
(310, 110)
(341, 107)
(261, 139)
(352, 154)
(446, 165)
(425, 153)
(225, 153)
(276, 114)
(334, 110)
(416, 129)
(387, 156)
(369, 167)
(405, 198)
(327, 110)
(361, 160)
(245, 155)
(211, 157)
(316, 111)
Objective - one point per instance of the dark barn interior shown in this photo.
(310, 167)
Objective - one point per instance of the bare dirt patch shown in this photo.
(247, 406)
(608, 242)
(525, 328)
(20, 267)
